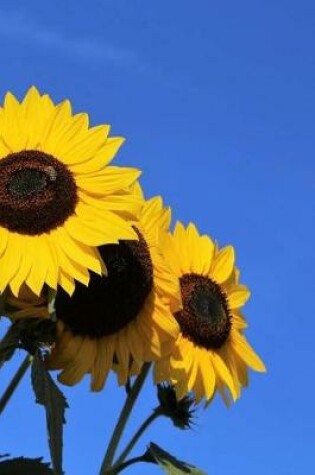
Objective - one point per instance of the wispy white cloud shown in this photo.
(17, 27)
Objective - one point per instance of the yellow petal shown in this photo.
(103, 362)
(10, 261)
(61, 132)
(78, 252)
(65, 351)
(37, 275)
(133, 339)
(125, 204)
(80, 365)
(223, 372)
(237, 295)
(66, 282)
(12, 132)
(207, 372)
(246, 352)
(110, 225)
(85, 145)
(36, 110)
(27, 252)
(180, 244)
(58, 118)
(52, 264)
(200, 250)
(41, 262)
(101, 158)
(123, 359)
(4, 236)
(72, 268)
(238, 320)
(154, 215)
(32, 97)
(182, 386)
(170, 253)
(83, 232)
(192, 373)
(223, 264)
(162, 316)
(198, 388)
(109, 180)
(161, 370)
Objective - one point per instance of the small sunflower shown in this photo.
(59, 199)
(122, 319)
(211, 352)
(180, 412)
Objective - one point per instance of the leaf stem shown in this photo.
(123, 418)
(14, 383)
(148, 421)
(115, 470)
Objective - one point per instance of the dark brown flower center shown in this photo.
(110, 302)
(205, 318)
(37, 192)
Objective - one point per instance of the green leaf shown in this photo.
(25, 466)
(49, 395)
(171, 465)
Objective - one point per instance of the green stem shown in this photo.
(14, 383)
(121, 467)
(123, 418)
(5, 348)
(137, 436)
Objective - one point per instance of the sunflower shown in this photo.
(122, 319)
(59, 199)
(211, 353)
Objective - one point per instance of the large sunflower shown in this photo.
(211, 353)
(59, 199)
(122, 319)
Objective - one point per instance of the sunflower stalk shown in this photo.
(144, 426)
(119, 468)
(15, 381)
(123, 419)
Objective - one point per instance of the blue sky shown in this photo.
(216, 99)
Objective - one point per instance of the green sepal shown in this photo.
(29, 334)
(171, 465)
